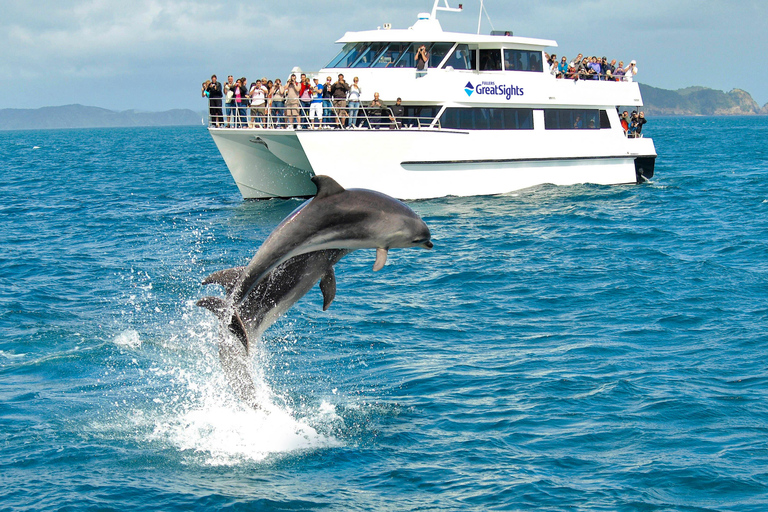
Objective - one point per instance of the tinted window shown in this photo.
(369, 55)
(462, 58)
(572, 119)
(347, 56)
(388, 57)
(522, 60)
(487, 118)
(490, 60)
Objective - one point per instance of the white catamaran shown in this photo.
(484, 117)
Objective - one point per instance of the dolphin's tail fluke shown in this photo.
(223, 312)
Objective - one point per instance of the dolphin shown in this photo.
(266, 302)
(301, 251)
(336, 218)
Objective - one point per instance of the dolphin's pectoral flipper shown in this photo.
(226, 278)
(381, 259)
(326, 186)
(328, 287)
(220, 308)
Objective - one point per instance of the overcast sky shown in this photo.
(153, 54)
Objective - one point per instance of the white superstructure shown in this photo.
(485, 118)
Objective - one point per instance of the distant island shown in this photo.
(691, 101)
(699, 101)
(81, 116)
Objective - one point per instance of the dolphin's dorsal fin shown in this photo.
(381, 259)
(226, 278)
(326, 186)
(328, 287)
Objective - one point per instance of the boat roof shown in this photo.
(429, 30)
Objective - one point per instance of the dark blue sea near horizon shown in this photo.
(561, 348)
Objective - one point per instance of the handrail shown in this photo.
(277, 115)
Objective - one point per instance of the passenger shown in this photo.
(577, 61)
(258, 94)
(606, 69)
(625, 122)
(619, 73)
(214, 106)
(593, 69)
(327, 102)
(630, 72)
(639, 124)
(339, 91)
(632, 124)
(578, 123)
(278, 103)
(241, 103)
(375, 112)
(268, 107)
(292, 91)
(229, 104)
(316, 105)
(552, 65)
(563, 66)
(396, 114)
(422, 61)
(354, 102)
(305, 95)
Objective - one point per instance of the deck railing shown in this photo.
(279, 116)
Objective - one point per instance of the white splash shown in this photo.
(128, 339)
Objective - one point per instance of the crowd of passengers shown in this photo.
(590, 68)
(299, 103)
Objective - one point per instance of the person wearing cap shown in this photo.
(630, 71)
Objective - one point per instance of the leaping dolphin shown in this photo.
(336, 219)
(299, 252)
(272, 297)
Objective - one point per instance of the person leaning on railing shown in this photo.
(212, 91)
(292, 91)
(278, 103)
(339, 91)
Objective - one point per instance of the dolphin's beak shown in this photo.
(427, 245)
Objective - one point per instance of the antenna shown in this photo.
(446, 8)
(480, 17)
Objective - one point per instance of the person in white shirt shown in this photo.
(258, 95)
(630, 71)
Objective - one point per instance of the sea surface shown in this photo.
(561, 348)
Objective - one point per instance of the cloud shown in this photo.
(152, 54)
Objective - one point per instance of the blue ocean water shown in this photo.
(561, 348)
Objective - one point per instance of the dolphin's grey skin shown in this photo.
(272, 297)
(299, 252)
(336, 219)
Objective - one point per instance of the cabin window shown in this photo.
(572, 119)
(347, 56)
(522, 60)
(436, 52)
(462, 58)
(369, 55)
(490, 60)
(604, 121)
(388, 57)
(480, 118)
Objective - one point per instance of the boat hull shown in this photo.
(423, 164)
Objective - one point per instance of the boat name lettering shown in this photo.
(493, 89)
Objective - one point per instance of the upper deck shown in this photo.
(466, 69)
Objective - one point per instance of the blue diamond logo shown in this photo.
(469, 89)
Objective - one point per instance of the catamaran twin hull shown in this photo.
(428, 163)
